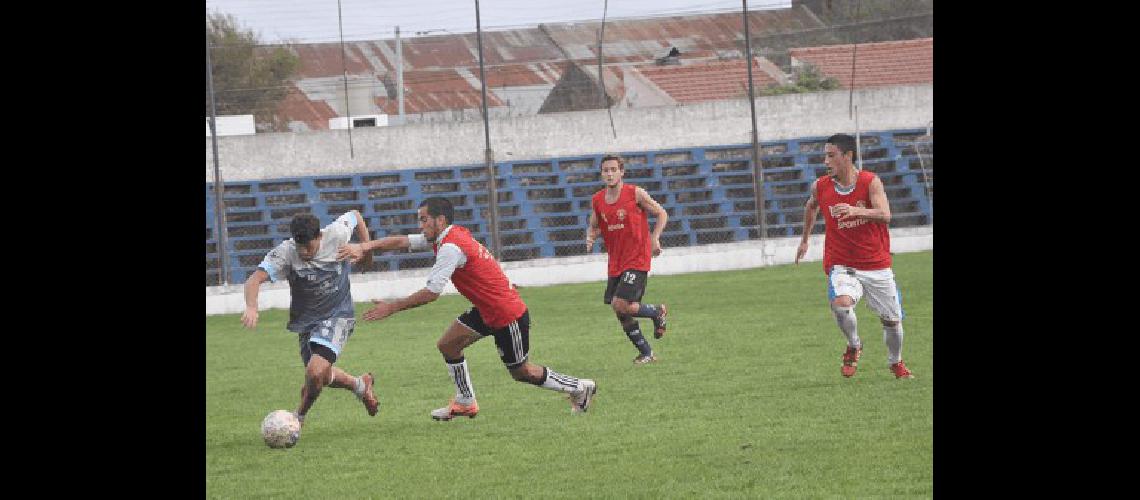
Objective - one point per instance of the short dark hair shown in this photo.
(845, 143)
(437, 206)
(617, 158)
(305, 227)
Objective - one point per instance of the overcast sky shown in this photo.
(313, 21)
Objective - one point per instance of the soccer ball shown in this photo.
(281, 429)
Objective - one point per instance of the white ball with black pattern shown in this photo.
(280, 429)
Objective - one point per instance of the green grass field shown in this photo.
(746, 401)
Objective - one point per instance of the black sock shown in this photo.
(647, 311)
(633, 331)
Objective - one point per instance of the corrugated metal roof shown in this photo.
(302, 113)
(438, 90)
(441, 72)
(876, 64)
(698, 35)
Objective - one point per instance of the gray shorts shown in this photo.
(332, 333)
(879, 286)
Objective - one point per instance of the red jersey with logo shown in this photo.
(482, 281)
(856, 243)
(625, 230)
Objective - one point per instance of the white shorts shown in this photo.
(882, 292)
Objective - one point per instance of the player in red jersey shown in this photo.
(498, 310)
(856, 251)
(625, 229)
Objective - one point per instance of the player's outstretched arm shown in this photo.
(650, 205)
(811, 208)
(252, 287)
(383, 309)
(355, 251)
(447, 260)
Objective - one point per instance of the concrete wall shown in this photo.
(267, 156)
(232, 125)
(642, 92)
(577, 269)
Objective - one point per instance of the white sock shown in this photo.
(558, 382)
(845, 317)
(464, 393)
(893, 337)
(358, 388)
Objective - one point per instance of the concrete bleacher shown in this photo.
(544, 205)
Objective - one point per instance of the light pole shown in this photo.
(219, 192)
(757, 169)
(489, 155)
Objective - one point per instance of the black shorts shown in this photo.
(629, 285)
(512, 340)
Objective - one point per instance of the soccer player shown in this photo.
(320, 304)
(625, 229)
(498, 310)
(856, 251)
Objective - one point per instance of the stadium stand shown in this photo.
(544, 205)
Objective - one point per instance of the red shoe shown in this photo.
(851, 360)
(900, 371)
(371, 402)
(659, 323)
(456, 410)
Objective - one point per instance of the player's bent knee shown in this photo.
(446, 345)
(319, 376)
(887, 322)
(450, 348)
(842, 301)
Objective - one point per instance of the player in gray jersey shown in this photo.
(320, 305)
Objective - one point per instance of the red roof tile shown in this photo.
(706, 82)
(876, 64)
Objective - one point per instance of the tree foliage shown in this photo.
(808, 79)
(248, 78)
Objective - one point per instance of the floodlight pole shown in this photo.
(219, 202)
(488, 154)
(757, 168)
